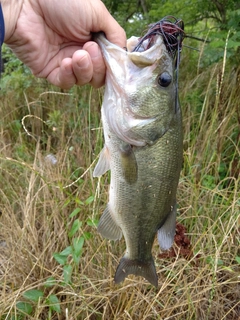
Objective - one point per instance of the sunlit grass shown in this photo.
(41, 206)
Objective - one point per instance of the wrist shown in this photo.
(11, 10)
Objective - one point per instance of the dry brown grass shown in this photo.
(35, 209)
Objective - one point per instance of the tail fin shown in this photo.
(145, 269)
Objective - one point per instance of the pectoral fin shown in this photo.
(103, 164)
(128, 163)
(167, 232)
(107, 227)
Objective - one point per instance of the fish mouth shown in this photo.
(170, 30)
(145, 56)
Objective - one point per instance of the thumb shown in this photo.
(113, 31)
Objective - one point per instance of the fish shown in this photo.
(143, 146)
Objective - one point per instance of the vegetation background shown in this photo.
(53, 263)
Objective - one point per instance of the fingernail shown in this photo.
(68, 69)
(83, 62)
(93, 50)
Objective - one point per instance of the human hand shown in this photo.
(53, 38)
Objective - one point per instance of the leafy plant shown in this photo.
(71, 255)
(24, 308)
(33, 297)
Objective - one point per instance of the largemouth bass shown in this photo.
(142, 127)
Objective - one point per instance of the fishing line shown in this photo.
(49, 157)
(172, 32)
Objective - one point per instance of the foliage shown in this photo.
(211, 20)
(16, 75)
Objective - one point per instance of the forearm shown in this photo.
(11, 10)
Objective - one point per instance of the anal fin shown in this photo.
(145, 269)
(107, 227)
(167, 232)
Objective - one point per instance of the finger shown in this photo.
(113, 31)
(99, 68)
(82, 67)
(63, 76)
(116, 35)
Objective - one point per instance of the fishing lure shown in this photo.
(172, 31)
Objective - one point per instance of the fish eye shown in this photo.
(164, 79)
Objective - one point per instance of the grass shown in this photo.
(54, 264)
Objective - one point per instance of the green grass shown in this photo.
(54, 264)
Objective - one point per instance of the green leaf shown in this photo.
(77, 249)
(67, 273)
(76, 259)
(75, 227)
(33, 295)
(237, 259)
(233, 44)
(54, 303)
(78, 201)
(61, 257)
(24, 307)
(50, 282)
(75, 212)
(220, 262)
(89, 200)
(66, 203)
(92, 222)
(87, 235)
(209, 260)
(77, 245)
(67, 251)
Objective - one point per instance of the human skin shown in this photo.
(54, 38)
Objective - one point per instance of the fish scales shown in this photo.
(143, 149)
